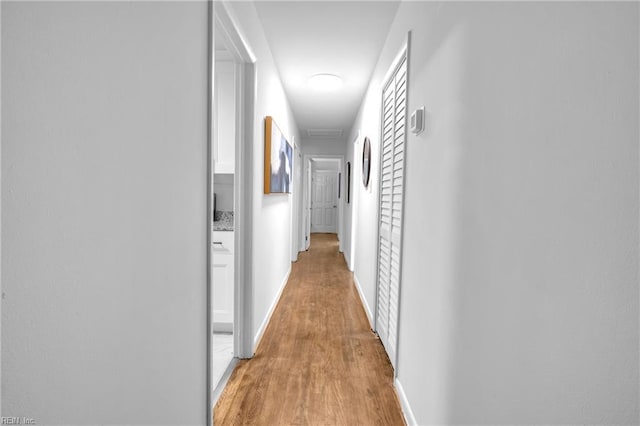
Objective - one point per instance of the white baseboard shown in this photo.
(263, 326)
(346, 260)
(367, 309)
(409, 418)
(223, 382)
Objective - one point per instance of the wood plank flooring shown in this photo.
(318, 362)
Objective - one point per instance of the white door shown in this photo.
(324, 202)
(391, 204)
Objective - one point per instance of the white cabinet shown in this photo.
(223, 281)
(224, 140)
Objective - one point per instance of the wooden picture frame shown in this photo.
(366, 162)
(278, 160)
(348, 184)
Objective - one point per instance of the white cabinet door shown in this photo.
(223, 281)
(224, 141)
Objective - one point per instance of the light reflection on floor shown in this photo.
(222, 354)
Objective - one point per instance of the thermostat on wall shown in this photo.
(416, 122)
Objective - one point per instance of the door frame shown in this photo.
(219, 16)
(308, 158)
(353, 202)
(297, 216)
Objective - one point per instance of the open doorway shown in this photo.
(231, 111)
(323, 196)
(224, 139)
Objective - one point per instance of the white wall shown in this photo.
(104, 149)
(224, 192)
(224, 142)
(1, 379)
(271, 243)
(313, 146)
(364, 201)
(520, 271)
(350, 208)
(325, 165)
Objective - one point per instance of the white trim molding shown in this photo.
(217, 392)
(208, 420)
(241, 54)
(407, 412)
(367, 309)
(346, 260)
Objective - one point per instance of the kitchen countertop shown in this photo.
(223, 221)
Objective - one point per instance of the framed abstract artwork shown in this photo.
(278, 160)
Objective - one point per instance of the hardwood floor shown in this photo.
(318, 362)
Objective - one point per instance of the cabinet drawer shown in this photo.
(223, 242)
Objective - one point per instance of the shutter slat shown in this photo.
(392, 155)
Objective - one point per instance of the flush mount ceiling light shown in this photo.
(325, 82)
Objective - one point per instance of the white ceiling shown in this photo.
(311, 37)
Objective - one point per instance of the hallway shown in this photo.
(318, 361)
(488, 179)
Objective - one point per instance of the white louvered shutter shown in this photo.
(394, 99)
